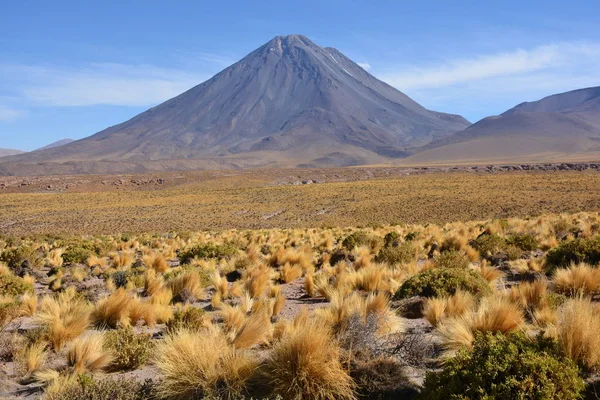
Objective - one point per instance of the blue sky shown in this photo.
(72, 68)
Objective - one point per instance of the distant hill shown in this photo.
(9, 152)
(56, 144)
(561, 127)
(288, 103)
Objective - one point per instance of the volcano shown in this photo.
(289, 103)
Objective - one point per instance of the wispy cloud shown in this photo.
(475, 85)
(8, 114)
(98, 84)
(515, 63)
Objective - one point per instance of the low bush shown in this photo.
(506, 367)
(360, 238)
(382, 379)
(11, 285)
(16, 256)
(208, 250)
(88, 388)
(131, 350)
(190, 318)
(441, 282)
(490, 245)
(401, 254)
(76, 255)
(524, 241)
(451, 259)
(391, 239)
(574, 252)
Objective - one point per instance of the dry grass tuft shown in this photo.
(256, 329)
(113, 311)
(64, 316)
(87, 354)
(202, 365)
(530, 295)
(186, 287)
(578, 332)
(155, 261)
(305, 364)
(579, 279)
(493, 315)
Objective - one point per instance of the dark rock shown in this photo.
(411, 308)
(233, 276)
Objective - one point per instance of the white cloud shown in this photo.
(99, 84)
(560, 56)
(366, 66)
(8, 114)
(486, 84)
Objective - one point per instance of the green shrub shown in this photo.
(488, 244)
(76, 255)
(391, 238)
(437, 282)
(574, 251)
(506, 367)
(88, 388)
(452, 259)
(404, 253)
(524, 241)
(131, 350)
(11, 285)
(208, 250)
(16, 256)
(190, 318)
(360, 238)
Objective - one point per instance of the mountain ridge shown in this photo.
(289, 102)
(560, 127)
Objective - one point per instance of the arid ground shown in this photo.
(192, 201)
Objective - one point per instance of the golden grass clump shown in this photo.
(65, 316)
(494, 314)
(578, 332)
(87, 354)
(579, 279)
(155, 261)
(121, 259)
(33, 358)
(186, 287)
(290, 272)
(530, 295)
(342, 308)
(490, 274)
(113, 311)
(54, 258)
(202, 365)
(305, 364)
(256, 279)
(256, 329)
(29, 304)
(438, 308)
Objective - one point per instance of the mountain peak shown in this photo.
(288, 103)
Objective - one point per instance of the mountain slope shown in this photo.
(58, 143)
(9, 152)
(290, 102)
(560, 127)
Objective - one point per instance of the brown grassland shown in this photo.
(246, 201)
(429, 286)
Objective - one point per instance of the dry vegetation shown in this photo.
(319, 313)
(256, 200)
